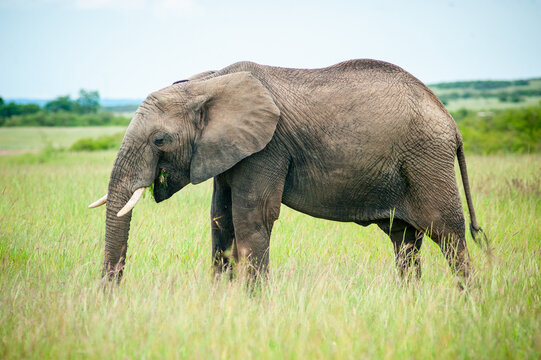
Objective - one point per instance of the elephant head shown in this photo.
(188, 132)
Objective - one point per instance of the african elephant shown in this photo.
(362, 141)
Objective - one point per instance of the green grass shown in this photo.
(332, 291)
(36, 138)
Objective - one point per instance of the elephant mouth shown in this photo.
(168, 181)
(160, 188)
(162, 177)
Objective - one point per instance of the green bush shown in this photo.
(104, 142)
(505, 131)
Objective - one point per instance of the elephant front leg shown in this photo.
(223, 232)
(257, 185)
(254, 215)
(251, 250)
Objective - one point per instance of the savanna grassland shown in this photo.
(39, 137)
(332, 291)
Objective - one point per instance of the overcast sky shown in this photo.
(129, 48)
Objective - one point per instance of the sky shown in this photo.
(129, 48)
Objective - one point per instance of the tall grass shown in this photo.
(332, 291)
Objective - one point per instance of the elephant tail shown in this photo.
(476, 232)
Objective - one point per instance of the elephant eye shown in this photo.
(159, 140)
(162, 139)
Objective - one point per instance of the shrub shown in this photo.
(104, 142)
(512, 130)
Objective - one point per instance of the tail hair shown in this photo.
(480, 238)
(476, 232)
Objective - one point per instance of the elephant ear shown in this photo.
(238, 118)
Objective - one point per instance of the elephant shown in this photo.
(361, 141)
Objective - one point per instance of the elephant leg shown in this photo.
(256, 191)
(223, 232)
(407, 242)
(453, 246)
(437, 209)
(253, 221)
(448, 231)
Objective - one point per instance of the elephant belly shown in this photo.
(345, 193)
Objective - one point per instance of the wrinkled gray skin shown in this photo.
(362, 141)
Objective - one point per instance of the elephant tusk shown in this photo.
(132, 202)
(99, 202)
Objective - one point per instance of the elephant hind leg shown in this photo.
(453, 247)
(407, 242)
(448, 232)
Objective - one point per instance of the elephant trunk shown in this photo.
(134, 170)
(116, 229)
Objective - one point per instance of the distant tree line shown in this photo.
(62, 111)
(480, 84)
(504, 96)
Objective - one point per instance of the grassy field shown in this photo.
(36, 138)
(332, 290)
